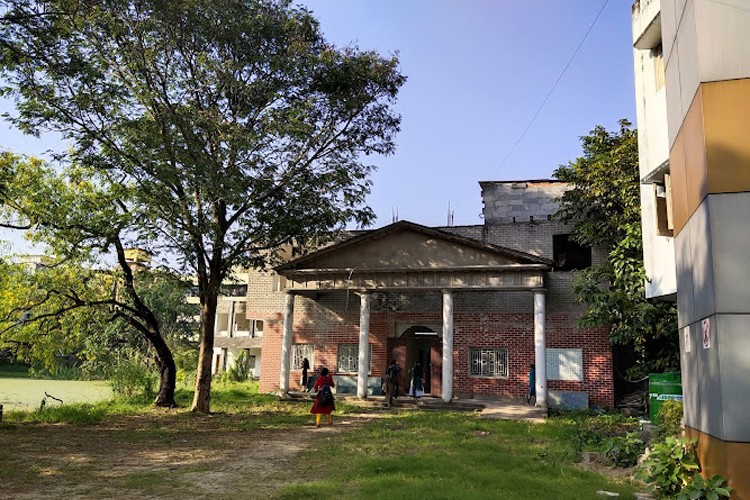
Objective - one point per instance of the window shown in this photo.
(657, 54)
(569, 255)
(488, 362)
(257, 328)
(565, 364)
(348, 358)
(300, 352)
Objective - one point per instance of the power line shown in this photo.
(554, 86)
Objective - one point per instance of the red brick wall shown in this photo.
(335, 321)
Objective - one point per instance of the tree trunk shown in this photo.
(167, 373)
(202, 395)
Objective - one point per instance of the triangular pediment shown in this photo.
(406, 246)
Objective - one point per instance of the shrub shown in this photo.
(623, 451)
(710, 489)
(670, 416)
(593, 433)
(241, 370)
(670, 466)
(132, 377)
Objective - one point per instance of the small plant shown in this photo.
(592, 433)
(670, 466)
(670, 418)
(623, 451)
(241, 370)
(709, 489)
(132, 377)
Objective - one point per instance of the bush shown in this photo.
(670, 466)
(241, 370)
(132, 377)
(623, 451)
(710, 489)
(593, 433)
(670, 416)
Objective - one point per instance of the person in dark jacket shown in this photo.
(392, 374)
(305, 380)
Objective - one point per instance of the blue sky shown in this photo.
(477, 71)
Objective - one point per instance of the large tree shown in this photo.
(70, 294)
(236, 125)
(604, 206)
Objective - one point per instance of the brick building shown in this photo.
(475, 305)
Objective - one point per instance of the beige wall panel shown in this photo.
(726, 110)
(679, 184)
(729, 459)
(695, 154)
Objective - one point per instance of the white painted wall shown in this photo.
(653, 147)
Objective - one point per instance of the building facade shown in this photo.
(692, 69)
(476, 306)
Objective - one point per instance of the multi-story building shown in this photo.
(476, 306)
(234, 333)
(692, 70)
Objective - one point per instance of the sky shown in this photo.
(477, 71)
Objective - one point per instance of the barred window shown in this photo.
(300, 352)
(488, 362)
(348, 358)
(565, 364)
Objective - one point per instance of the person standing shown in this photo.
(416, 389)
(532, 384)
(324, 403)
(304, 381)
(392, 374)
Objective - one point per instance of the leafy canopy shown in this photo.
(604, 206)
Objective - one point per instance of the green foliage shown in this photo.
(604, 206)
(587, 432)
(671, 414)
(232, 127)
(624, 451)
(241, 370)
(132, 376)
(670, 466)
(705, 489)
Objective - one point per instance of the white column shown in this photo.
(364, 344)
(447, 345)
(286, 343)
(540, 348)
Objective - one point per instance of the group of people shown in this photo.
(325, 403)
(392, 379)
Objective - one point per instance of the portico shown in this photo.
(408, 260)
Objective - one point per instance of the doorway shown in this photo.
(419, 344)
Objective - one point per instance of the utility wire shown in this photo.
(554, 86)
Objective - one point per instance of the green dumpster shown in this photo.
(662, 387)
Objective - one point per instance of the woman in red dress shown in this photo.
(323, 385)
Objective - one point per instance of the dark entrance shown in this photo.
(419, 344)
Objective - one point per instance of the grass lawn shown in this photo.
(451, 455)
(255, 446)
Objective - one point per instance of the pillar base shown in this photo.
(729, 459)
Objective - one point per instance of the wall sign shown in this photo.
(686, 339)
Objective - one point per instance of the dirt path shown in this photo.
(138, 458)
